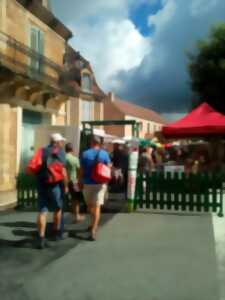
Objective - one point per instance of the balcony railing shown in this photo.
(23, 60)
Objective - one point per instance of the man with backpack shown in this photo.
(48, 164)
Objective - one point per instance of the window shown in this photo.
(86, 83)
(87, 110)
(37, 45)
(149, 128)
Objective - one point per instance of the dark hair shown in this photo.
(69, 147)
(95, 140)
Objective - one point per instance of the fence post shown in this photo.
(222, 186)
(132, 174)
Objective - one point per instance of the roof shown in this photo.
(202, 121)
(75, 64)
(46, 16)
(137, 111)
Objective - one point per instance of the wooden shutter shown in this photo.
(41, 49)
(33, 46)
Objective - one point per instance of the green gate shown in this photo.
(180, 192)
(27, 194)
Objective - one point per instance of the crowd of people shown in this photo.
(194, 158)
(59, 171)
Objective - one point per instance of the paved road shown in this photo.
(137, 256)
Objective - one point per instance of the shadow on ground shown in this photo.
(19, 257)
(137, 256)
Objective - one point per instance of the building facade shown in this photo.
(87, 104)
(33, 44)
(117, 109)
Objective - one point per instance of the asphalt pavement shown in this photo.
(137, 256)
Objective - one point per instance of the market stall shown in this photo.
(202, 121)
(192, 174)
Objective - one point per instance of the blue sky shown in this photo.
(138, 48)
(139, 15)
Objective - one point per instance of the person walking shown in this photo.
(94, 192)
(73, 172)
(48, 164)
(145, 164)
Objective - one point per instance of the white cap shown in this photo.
(118, 141)
(57, 137)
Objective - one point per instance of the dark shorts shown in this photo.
(50, 197)
(74, 193)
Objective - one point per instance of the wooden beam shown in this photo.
(15, 102)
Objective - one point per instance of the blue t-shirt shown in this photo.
(88, 161)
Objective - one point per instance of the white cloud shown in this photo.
(149, 70)
(118, 46)
(164, 16)
(162, 80)
(105, 36)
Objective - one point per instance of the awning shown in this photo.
(202, 121)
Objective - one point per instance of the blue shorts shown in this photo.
(50, 197)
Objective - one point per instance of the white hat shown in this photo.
(57, 137)
(118, 141)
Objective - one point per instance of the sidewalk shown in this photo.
(137, 256)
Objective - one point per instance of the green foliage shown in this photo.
(207, 69)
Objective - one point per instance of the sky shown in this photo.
(138, 48)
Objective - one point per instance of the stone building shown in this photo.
(117, 109)
(87, 102)
(33, 44)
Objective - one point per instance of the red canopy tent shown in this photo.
(202, 121)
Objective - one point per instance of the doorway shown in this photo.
(30, 121)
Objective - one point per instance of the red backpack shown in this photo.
(47, 160)
(35, 164)
(53, 165)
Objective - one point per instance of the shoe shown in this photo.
(92, 237)
(59, 236)
(42, 244)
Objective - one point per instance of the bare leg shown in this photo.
(57, 220)
(76, 211)
(41, 224)
(95, 212)
(96, 217)
(90, 211)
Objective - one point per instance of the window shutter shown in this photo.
(41, 43)
(41, 49)
(33, 46)
(33, 39)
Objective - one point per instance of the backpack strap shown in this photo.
(97, 156)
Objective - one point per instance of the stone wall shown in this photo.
(112, 113)
(74, 111)
(17, 23)
(147, 127)
(8, 147)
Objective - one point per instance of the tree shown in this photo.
(207, 69)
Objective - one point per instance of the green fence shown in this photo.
(26, 191)
(180, 192)
(27, 194)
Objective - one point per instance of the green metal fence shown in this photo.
(180, 192)
(156, 191)
(27, 194)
